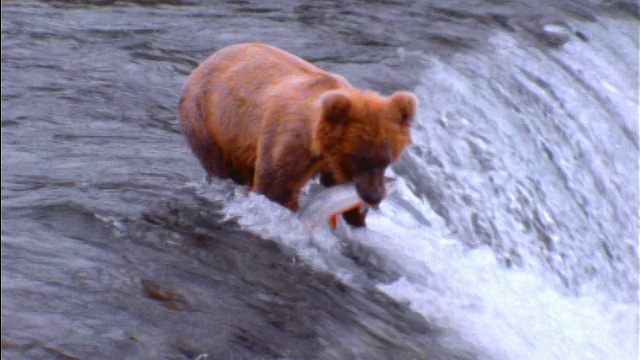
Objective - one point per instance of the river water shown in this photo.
(513, 234)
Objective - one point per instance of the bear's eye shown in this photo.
(362, 163)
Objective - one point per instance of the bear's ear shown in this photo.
(404, 103)
(335, 106)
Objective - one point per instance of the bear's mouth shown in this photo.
(372, 195)
(387, 186)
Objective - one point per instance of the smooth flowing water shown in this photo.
(512, 233)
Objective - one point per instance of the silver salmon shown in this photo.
(335, 200)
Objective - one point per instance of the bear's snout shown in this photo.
(373, 196)
(370, 188)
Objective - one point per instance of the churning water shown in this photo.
(516, 223)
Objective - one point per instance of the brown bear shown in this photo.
(266, 118)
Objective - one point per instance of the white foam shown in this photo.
(511, 313)
(257, 214)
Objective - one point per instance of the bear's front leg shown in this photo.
(327, 179)
(281, 179)
(272, 183)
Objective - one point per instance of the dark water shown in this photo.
(109, 251)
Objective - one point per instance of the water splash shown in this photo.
(528, 150)
(512, 224)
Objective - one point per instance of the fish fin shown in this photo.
(333, 219)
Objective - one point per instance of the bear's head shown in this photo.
(360, 133)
